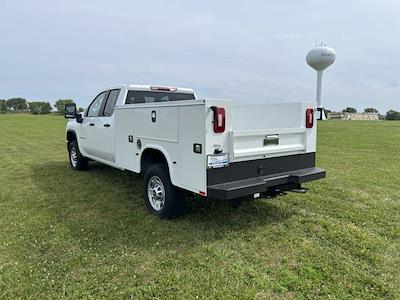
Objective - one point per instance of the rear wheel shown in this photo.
(162, 198)
(76, 159)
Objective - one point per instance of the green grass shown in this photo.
(74, 235)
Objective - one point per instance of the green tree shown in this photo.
(39, 107)
(81, 109)
(46, 108)
(17, 104)
(370, 110)
(3, 106)
(34, 107)
(392, 115)
(60, 103)
(350, 110)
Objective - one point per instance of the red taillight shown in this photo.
(219, 119)
(309, 118)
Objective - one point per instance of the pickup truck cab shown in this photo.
(213, 148)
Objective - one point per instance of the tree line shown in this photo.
(35, 107)
(366, 110)
(44, 107)
(354, 110)
(390, 115)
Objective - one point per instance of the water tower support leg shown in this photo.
(319, 85)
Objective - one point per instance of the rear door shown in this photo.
(103, 141)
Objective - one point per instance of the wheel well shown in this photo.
(71, 137)
(150, 157)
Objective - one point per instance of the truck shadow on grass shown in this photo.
(109, 204)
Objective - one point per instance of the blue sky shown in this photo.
(242, 50)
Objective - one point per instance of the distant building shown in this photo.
(353, 116)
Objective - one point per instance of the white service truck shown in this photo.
(182, 144)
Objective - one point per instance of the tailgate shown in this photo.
(269, 130)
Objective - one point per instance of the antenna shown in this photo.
(320, 58)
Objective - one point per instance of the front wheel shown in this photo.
(162, 198)
(76, 159)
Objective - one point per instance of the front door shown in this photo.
(89, 141)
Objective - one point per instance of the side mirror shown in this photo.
(70, 111)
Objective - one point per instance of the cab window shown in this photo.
(95, 107)
(111, 100)
(150, 97)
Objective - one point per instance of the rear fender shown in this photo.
(167, 158)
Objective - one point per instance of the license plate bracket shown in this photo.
(272, 139)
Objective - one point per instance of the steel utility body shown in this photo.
(212, 148)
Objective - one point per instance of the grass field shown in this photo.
(74, 235)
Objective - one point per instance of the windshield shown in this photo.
(150, 97)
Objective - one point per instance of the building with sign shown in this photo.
(353, 116)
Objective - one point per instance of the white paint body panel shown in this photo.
(252, 123)
(164, 129)
(178, 126)
(181, 124)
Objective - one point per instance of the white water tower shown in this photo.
(320, 58)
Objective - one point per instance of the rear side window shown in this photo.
(150, 97)
(112, 99)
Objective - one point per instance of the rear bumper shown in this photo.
(257, 176)
(285, 181)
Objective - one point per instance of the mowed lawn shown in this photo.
(87, 235)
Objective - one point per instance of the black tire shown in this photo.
(173, 197)
(81, 162)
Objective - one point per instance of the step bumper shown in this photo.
(240, 188)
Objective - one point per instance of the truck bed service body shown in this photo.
(181, 144)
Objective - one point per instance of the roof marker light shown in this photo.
(163, 89)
